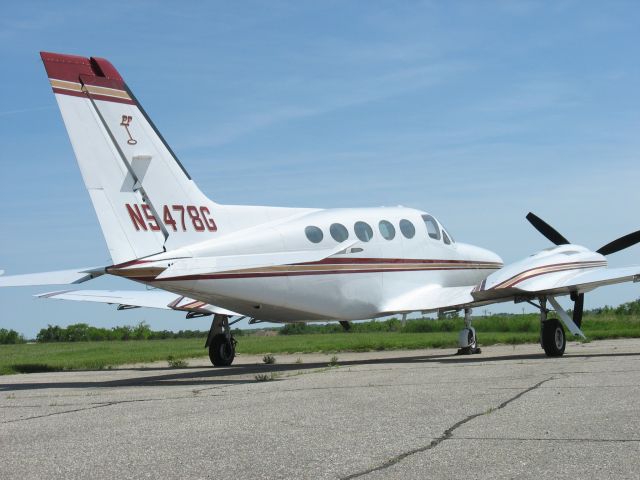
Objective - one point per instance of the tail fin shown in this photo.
(145, 200)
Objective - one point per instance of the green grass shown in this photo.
(43, 357)
(39, 357)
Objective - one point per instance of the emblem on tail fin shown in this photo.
(126, 122)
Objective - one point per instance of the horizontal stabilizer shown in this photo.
(61, 277)
(142, 298)
(210, 265)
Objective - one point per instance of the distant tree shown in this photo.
(78, 332)
(141, 331)
(10, 337)
(294, 329)
(629, 308)
(50, 334)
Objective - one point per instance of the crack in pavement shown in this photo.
(553, 439)
(95, 405)
(446, 435)
(52, 414)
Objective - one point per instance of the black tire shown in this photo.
(553, 338)
(222, 350)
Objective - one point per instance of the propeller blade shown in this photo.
(547, 230)
(620, 244)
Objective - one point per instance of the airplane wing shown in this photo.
(558, 283)
(432, 298)
(142, 298)
(60, 277)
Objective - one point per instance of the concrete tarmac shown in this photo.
(509, 412)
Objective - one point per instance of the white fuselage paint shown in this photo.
(354, 284)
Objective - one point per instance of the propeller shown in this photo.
(556, 237)
(620, 244)
(547, 230)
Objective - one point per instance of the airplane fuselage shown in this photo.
(392, 251)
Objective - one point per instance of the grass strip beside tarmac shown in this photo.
(43, 357)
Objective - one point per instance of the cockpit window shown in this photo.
(445, 238)
(448, 235)
(314, 234)
(432, 226)
(339, 232)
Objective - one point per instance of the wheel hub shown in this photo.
(558, 338)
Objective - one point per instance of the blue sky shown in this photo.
(474, 111)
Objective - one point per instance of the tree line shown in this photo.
(83, 332)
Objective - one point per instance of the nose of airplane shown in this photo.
(478, 254)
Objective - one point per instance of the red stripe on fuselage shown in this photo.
(221, 276)
(340, 261)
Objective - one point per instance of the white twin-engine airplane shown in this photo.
(282, 264)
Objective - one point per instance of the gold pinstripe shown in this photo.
(546, 269)
(94, 89)
(152, 272)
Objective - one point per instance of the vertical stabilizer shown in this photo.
(145, 200)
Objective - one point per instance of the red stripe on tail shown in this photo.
(94, 71)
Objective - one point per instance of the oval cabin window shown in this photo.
(314, 234)
(363, 231)
(387, 230)
(339, 232)
(407, 228)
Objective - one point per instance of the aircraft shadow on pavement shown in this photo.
(245, 374)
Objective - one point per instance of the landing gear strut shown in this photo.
(552, 336)
(221, 344)
(467, 339)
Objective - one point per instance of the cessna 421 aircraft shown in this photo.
(282, 264)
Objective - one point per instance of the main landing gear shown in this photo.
(467, 339)
(221, 344)
(552, 336)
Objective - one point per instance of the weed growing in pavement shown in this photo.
(176, 362)
(269, 359)
(266, 377)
